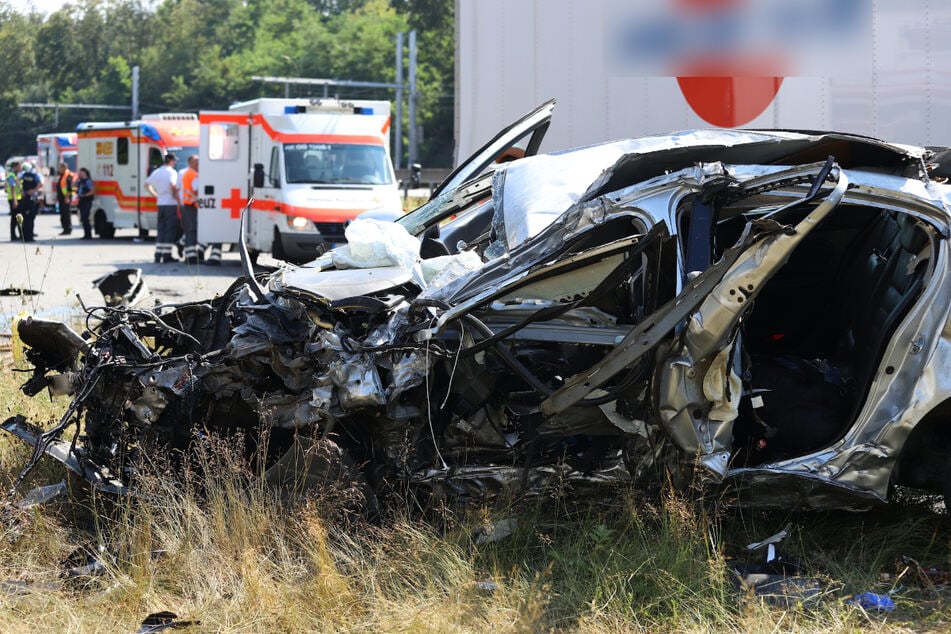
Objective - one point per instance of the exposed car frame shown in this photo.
(770, 308)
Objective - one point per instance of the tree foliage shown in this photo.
(201, 54)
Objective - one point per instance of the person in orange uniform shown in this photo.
(64, 191)
(190, 209)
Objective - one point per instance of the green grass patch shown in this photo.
(216, 545)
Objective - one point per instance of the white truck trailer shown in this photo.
(625, 69)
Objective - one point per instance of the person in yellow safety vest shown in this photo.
(64, 191)
(14, 196)
(189, 178)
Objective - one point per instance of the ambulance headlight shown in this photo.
(298, 223)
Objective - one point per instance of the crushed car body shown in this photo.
(767, 309)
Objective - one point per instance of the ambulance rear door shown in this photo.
(122, 171)
(223, 174)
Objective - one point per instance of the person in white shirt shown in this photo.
(163, 184)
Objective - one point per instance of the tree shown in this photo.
(201, 54)
(434, 22)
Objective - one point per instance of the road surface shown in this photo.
(59, 268)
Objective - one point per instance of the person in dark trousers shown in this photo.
(189, 191)
(64, 192)
(163, 184)
(14, 196)
(32, 184)
(85, 191)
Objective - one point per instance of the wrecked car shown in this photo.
(767, 310)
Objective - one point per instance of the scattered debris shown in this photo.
(161, 621)
(124, 287)
(19, 292)
(487, 586)
(782, 591)
(82, 563)
(17, 587)
(495, 531)
(770, 541)
(909, 571)
(774, 577)
(873, 602)
(42, 495)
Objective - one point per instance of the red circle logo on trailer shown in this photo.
(726, 91)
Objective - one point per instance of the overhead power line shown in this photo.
(57, 106)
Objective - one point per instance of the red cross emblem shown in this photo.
(235, 203)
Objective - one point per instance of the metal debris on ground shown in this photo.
(782, 591)
(774, 577)
(124, 287)
(487, 586)
(42, 495)
(495, 531)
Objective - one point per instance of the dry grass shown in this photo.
(217, 546)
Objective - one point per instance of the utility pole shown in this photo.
(135, 93)
(398, 123)
(413, 95)
(81, 106)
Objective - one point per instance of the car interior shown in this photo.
(815, 335)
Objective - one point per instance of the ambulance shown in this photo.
(307, 166)
(52, 149)
(121, 155)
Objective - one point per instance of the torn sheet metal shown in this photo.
(124, 287)
(42, 495)
(535, 329)
(61, 451)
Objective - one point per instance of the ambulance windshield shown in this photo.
(336, 164)
(182, 152)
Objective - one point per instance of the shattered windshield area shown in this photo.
(336, 164)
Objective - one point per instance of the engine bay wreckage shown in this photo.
(768, 309)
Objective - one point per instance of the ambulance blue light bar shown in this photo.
(150, 132)
(303, 110)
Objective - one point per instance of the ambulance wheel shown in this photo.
(277, 248)
(104, 229)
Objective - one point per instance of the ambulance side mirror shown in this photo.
(257, 178)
